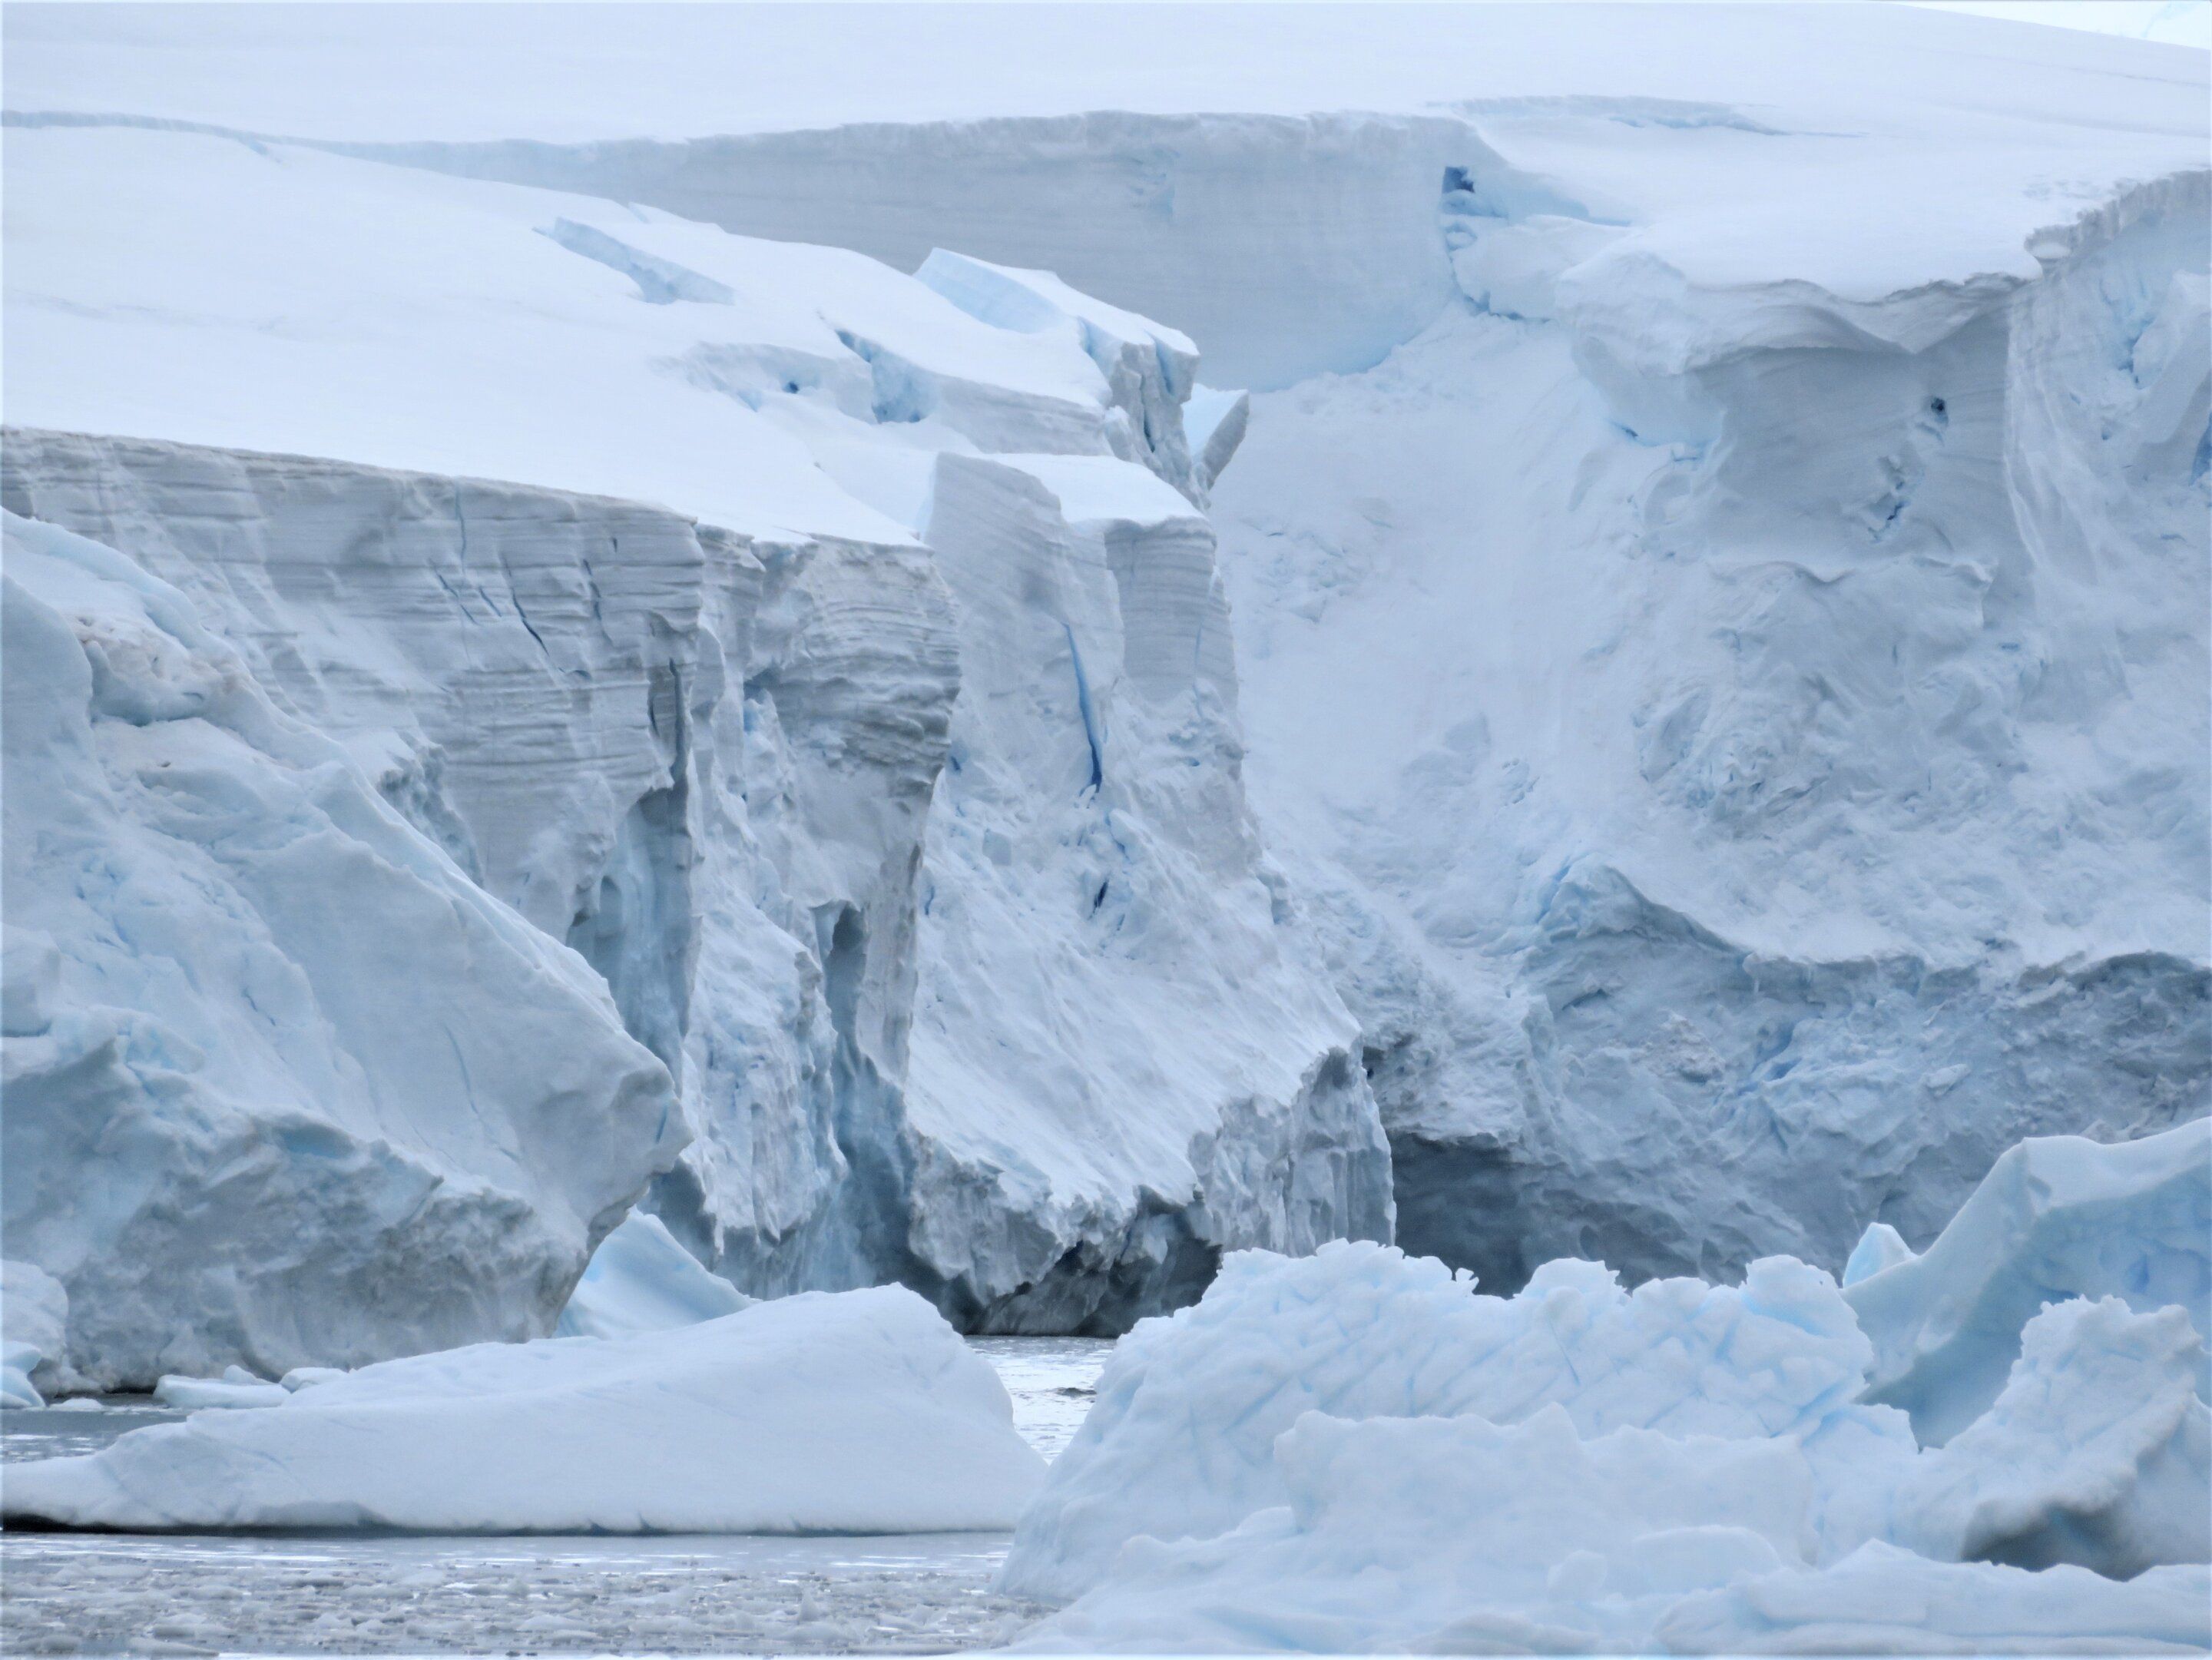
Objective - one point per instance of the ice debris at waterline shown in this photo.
(34, 1309)
(858, 1412)
(1356, 1451)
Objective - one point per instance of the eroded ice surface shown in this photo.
(1359, 1451)
(838, 665)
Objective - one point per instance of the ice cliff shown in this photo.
(833, 660)
(282, 1082)
(1717, 572)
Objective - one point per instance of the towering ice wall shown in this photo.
(1719, 572)
(282, 1086)
(835, 661)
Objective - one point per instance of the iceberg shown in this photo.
(237, 1388)
(2098, 1453)
(1357, 1452)
(861, 1412)
(1181, 1442)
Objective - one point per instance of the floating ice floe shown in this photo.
(1355, 1452)
(237, 1387)
(857, 1412)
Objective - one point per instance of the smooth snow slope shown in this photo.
(1165, 160)
(835, 659)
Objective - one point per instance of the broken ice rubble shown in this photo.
(1358, 1451)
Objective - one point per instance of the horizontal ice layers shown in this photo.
(282, 1084)
(861, 1412)
(834, 659)
(1356, 1451)
(1751, 465)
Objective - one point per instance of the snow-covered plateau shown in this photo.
(1097, 661)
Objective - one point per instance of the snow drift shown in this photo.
(271, 1056)
(1355, 1452)
(855, 1413)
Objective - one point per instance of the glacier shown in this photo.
(1752, 471)
(1680, 734)
(811, 653)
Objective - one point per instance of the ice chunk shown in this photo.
(858, 1412)
(16, 1389)
(1458, 1533)
(1879, 1247)
(34, 1306)
(1180, 1442)
(1394, 1527)
(1150, 370)
(642, 1279)
(2098, 1453)
(2056, 1218)
(236, 1389)
(1213, 423)
(1882, 1600)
